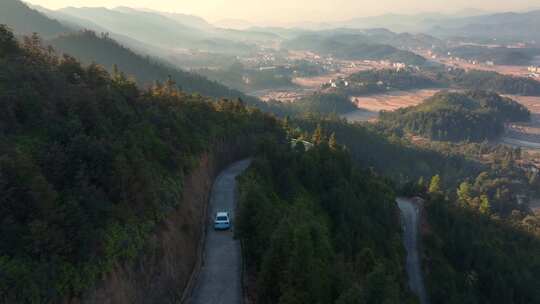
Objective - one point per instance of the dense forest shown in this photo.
(473, 116)
(316, 229)
(370, 82)
(388, 153)
(473, 256)
(492, 81)
(410, 166)
(89, 164)
(320, 103)
(377, 81)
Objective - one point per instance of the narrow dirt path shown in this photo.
(411, 221)
(220, 278)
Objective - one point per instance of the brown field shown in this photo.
(370, 106)
(512, 70)
(526, 135)
(527, 131)
(393, 100)
(531, 102)
(315, 82)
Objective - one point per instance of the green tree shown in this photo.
(332, 142)
(485, 206)
(318, 135)
(435, 186)
(354, 295)
(464, 193)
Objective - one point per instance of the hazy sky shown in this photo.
(283, 11)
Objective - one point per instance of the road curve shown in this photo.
(219, 279)
(410, 222)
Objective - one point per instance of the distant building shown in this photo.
(490, 63)
(338, 83)
(399, 66)
(534, 69)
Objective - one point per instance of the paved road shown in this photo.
(219, 280)
(410, 219)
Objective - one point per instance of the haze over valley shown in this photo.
(285, 152)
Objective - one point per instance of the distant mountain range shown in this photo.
(137, 28)
(505, 26)
(25, 21)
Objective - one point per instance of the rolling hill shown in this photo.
(352, 46)
(503, 26)
(24, 20)
(169, 30)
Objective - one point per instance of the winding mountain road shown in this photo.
(410, 220)
(219, 281)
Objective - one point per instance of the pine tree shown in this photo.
(464, 193)
(332, 142)
(170, 86)
(485, 206)
(421, 184)
(435, 185)
(318, 137)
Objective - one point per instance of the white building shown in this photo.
(399, 66)
(534, 69)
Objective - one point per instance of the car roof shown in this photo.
(222, 214)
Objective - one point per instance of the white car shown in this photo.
(222, 221)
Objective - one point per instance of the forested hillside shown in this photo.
(472, 256)
(492, 81)
(481, 241)
(352, 47)
(316, 229)
(474, 116)
(321, 103)
(377, 81)
(90, 165)
(88, 47)
(26, 21)
(369, 82)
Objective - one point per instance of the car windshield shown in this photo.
(221, 218)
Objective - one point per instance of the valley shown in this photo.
(386, 159)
